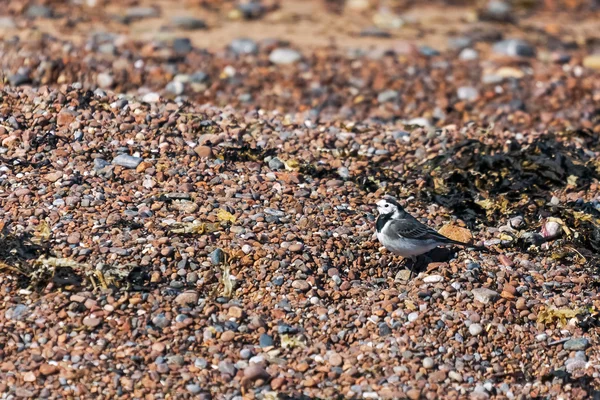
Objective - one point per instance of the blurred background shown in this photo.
(230, 52)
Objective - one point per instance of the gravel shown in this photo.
(188, 215)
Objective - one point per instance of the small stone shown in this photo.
(475, 329)
(284, 56)
(182, 45)
(592, 62)
(507, 262)
(29, 376)
(187, 297)
(175, 87)
(161, 321)
(428, 51)
(217, 257)
(227, 336)
(335, 360)
(38, 11)
(243, 46)
(48, 369)
(387, 96)
(151, 97)
(428, 363)
(514, 48)
(433, 279)
(467, 93)
(576, 344)
(296, 247)
(413, 394)
(74, 238)
(301, 285)
(454, 375)
(7, 23)
(105, 80)
(203, 151)
(484, 295)
(235, 312)
(127, 161)
(92, 322)
(255, 371)
(193, 388)
(468, 54)
(54, 176)
(265, 340)
(276, 164)
(541, 337)
(520, 304)
(413, 316)
(135, 13)
(188, 22)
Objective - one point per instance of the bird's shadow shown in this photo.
(439, 254)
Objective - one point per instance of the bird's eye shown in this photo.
(387, 205)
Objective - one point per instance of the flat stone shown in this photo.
(283, 56)
(187, 297)
(48, 369)
(485, 295)
(514, 48)
(301, 285)
(255, 371)
(92, 322)
(243, 46)
(127, 161)
(576, 344)
(188, 22)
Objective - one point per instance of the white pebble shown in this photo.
(475, 329)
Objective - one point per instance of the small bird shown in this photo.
(402, 234)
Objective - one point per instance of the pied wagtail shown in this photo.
(404, 235)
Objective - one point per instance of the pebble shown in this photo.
(134, 13)
(428, 363)
(592, 61)
(188, 22)
(433, 279)
(276, 164)
(151, 97)
(255, 371)
(387, 96)
(514, 48)
(468, 93)
(217, 257)
(475, 329)
(105, 80)
(283, 56)
(193, 388)
(38, 11)
(301, 285)
(468, 54)
(127, 161)
(187, 297)
(92, 322)
(484, 295)
(243, 46)
(576, 344)
(265, 340)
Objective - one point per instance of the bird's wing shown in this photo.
(413, 229)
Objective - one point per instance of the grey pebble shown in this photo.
(126, 161)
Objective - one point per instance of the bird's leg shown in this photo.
(412, 266)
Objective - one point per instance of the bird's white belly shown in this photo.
(406, 247)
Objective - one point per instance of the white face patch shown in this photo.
(383, 207)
